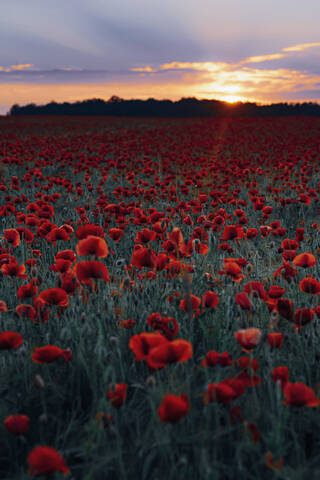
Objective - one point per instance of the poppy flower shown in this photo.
(285, 308)
(190, 302)
(142, 343)
(305, 260)
(243, 301)
(143, 257)
(12, 236)
(50, 353)
(90, 229)
(233, 270)
(118, 395)
(299, 395)
(92, 245)
(231, 232)
(14, 270)
(248, 338)
(289, 244)
(280, 374)
(275, 291)
(115, 234)
(10, 340)
(61, 266)
(170, 352)
(58, 233)
(256, 289)
(210, 299)
(145, 236)
(310, 285)
(3, 306)
(302, 316)
(27, 291)
(53, 296)
(28, 310)
(167, 326)
(66, 255)
(25, 234)
(214, 358)
(17, 424)
(44, 460)
(275, 339)
(173, 408)
(88, 270)
(219, 392)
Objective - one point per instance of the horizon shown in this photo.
(161, 51)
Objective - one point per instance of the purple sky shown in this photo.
(230, 50)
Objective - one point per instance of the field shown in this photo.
(159, 305)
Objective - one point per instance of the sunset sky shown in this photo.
(68, 50)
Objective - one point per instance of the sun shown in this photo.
(232, 98)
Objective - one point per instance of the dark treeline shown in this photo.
(185, 107)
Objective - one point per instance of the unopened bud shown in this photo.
(38, 381)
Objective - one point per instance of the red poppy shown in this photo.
(58, 234)
(26, 234)
(219, 392)
(115, 234)
(10, 340)
(289, 244)
(27, 291)
(17, 424)
(305, 260)
(275, 339)
(50, 353)
(28, 310)
(66, 255)
(168, 326)
(12, 236)
(53, 296)
(231, 232)
(118, 395)
(142, 343)
(92, 245)
(90, 229)
(173, 408)
(302, 316)
(256, 289)
(214, 358)
(253, 429)
(190, 302)
(310, 285)
(232, 269)
(299, 395)
(14, 270)
(285, 308)
(170, 352)
(210, 300)
(3, 306)
(44, 460)
(243, 300)
(248, 338)
(143, 257)
(88, 270)
(275, 291)
(145, 236)
(61, 266)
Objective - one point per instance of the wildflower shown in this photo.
(44, 460)
(173, 408)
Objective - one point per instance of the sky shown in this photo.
(232, 50)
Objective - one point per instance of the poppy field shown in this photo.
(159, 306)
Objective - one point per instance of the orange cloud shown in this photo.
(21, 66)
(301, 47)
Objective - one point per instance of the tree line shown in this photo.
(185, 107)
